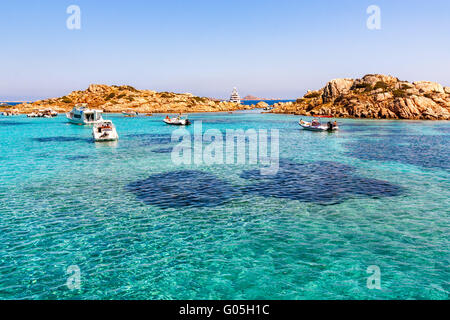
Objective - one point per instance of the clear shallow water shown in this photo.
(375, 193)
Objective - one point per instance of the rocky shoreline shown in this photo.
(115, 99)
(374, 96)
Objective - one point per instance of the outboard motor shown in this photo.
(330, 126)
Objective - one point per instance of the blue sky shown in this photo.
(265, 48)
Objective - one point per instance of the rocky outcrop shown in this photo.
(428, 87)
(116, 99)
(335, 88)
(374, 96)
(261, 105)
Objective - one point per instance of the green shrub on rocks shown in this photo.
(365, 86)
(65, 99)
(399, 93)
(381, 85)
(110, 96)
(312, 95)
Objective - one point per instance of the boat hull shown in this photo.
(105, 136)
(320, 128)
(81, 121)
(174, 122)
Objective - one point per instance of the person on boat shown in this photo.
(330, 126)
(335, 124)
(315, 123)
(167, 117)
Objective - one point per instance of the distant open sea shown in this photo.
(139, 226)
(11, 103)
(269, 102)
(245, 102)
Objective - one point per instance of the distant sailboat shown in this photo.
(235, 96)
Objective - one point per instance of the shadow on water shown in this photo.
(370, 129)
(163, 150)
(181, 189)
(12, 123)
(74, 158)
(424, 151)
(151, 139)
(61, 139)
(442, 129)
(322, 182)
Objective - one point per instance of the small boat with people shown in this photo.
(177, 121)
(81, 114)
(104, 131)
(315, 125)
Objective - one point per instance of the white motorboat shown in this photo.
(315, 125)
(178, 121)
(235, 98)
(81, 114)
(104, 131)
(130, 113)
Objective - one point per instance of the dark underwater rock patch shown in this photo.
(181, 189)
(322, 182)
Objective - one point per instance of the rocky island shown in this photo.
(374, 96)
(115, 99)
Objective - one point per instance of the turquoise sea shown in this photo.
(140, 227)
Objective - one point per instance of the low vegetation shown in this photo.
(381, 85)
(314, 94)
(110, 96)
(65, 99)
(399, 93)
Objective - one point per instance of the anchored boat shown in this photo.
(178, 121)
(104, 131)
(315, 125)
(130, 113)
(81, 114)
(235, 98)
